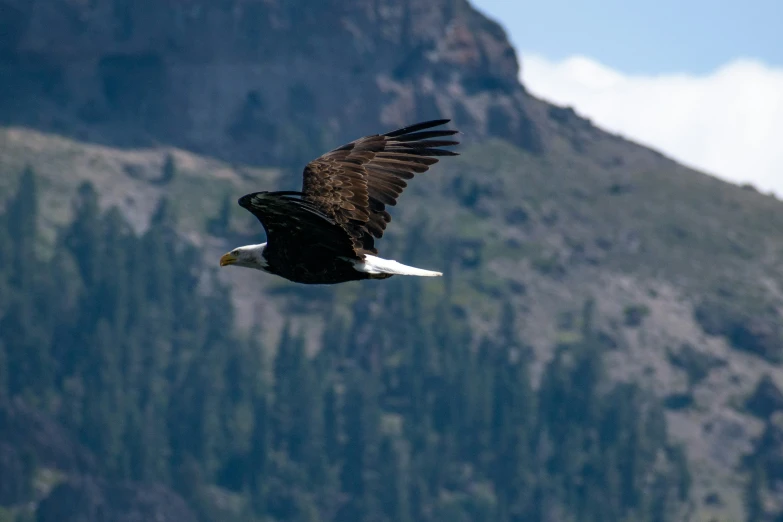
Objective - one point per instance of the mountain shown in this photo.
(220, 78)
(203, 101)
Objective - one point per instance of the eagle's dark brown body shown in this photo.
(323, 234)
(323, 271)
(317, 250)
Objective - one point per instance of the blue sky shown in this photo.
(700, 81)
(646, 37)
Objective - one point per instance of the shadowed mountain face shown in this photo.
(33, 444)
(543, 216)
(256, 81)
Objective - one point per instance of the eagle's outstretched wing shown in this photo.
(292, 223)
(353, 184)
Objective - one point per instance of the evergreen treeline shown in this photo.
(398, 418)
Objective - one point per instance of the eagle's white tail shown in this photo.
(377, 265)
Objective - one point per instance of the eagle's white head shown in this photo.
(250, 256)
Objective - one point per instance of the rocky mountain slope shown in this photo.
(245, 79)
(542, 206)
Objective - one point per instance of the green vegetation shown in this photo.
(168, 171)
(753, 327)
(633, 315)
(132, 179)
(402, 415)
(697, 365)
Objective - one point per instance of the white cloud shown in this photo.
(728, 123)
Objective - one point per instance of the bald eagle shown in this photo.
(326, 233)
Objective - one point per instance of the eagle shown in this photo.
(326, 233)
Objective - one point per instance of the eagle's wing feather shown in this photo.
(292, 222)
(354, 183)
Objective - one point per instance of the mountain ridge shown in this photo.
(128, 74)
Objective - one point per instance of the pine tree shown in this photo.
(362, 416)
(260, 454)
(6, 263)
(477, 444)
(160, 244)
(83, 236)
(513, 419)
(754, 504)
(211, 437)
(332, 425)
(169, 170)
(5, 392)
(220, 225)
(22, 222)
(112, 289)
(104, 412)
(285, 370)
(303, 401)
(393, 495)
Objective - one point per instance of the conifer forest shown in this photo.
(128, 342)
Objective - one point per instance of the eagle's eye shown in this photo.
(235, 253)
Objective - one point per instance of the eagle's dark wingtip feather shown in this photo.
(423, 144)
(416, 127)
(246, 201)
(426, 135)
(440, 152)
(256, 201)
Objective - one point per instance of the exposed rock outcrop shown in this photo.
(235, 78)
(29, 432)
(91, 500)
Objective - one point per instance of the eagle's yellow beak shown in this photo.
(227, 259)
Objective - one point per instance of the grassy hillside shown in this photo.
(133, 180)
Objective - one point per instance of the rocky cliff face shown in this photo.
(260, 81)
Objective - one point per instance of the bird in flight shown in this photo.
(326, 233)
